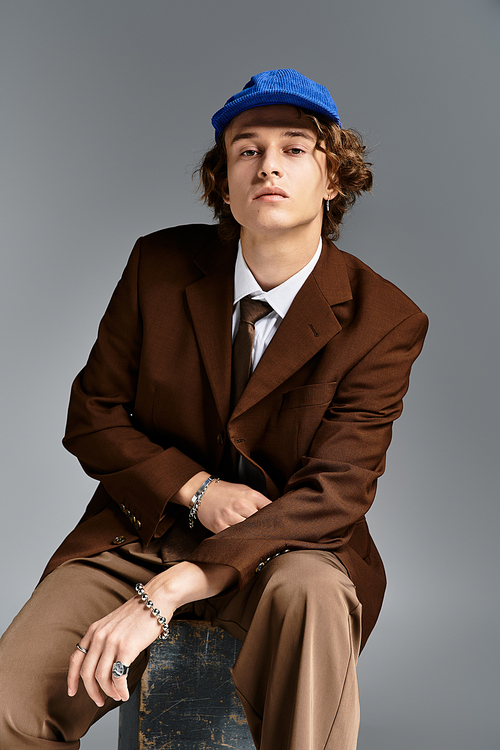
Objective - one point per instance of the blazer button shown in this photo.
(220, 438)
(118, 540)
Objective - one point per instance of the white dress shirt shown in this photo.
(280, 298)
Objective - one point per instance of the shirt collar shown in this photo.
(281, 297)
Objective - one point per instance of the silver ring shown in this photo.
(80, 648)
(119, 669)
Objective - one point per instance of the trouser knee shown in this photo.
(308, 581)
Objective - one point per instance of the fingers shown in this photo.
(97, 676)
(121, 685)
(95, 670)
(114, 685)
(85, 666)
(75, 664)
(263, 501)
(244, 502)
(255, 501)
(100, 675)
(119, 637)
(88, 675)
(228, 504)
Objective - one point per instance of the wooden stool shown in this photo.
(186, 699)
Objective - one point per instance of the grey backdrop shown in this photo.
(105, 108)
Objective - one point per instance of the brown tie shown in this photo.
(251, 310)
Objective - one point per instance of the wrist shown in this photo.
(187, 582)
(165, 590)
(187, 491)
(160, 617)
(195, 502)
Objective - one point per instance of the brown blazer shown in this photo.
(151, 407)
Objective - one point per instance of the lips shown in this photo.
(270, 193)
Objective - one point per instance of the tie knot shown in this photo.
(252, 310)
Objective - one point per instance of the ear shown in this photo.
(330, 195)
(331, 190)
(225, 191)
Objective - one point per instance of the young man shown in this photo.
(236, 406)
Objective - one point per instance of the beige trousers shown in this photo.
(299, 621)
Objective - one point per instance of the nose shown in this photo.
(270, 165)
(272, 172)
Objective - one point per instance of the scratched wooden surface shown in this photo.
(187, 699)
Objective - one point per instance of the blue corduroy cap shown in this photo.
(285, 86)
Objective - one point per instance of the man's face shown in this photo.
(277, 179)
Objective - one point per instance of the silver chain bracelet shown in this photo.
(154, 611)
(195, 502)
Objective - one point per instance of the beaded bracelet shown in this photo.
(154, 611)
(195, 502)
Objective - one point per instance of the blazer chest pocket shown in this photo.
(314, 394)
(302, 410)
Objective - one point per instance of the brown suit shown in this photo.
(152, 406)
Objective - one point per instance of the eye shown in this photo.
(296, 150)
(249, 152)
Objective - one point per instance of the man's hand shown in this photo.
(224, 503)
(128, 630)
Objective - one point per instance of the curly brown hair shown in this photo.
(346, 164)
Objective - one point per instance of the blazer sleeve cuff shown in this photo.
(142, 492)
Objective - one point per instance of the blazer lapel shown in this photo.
(306, 328)
(210, 301)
